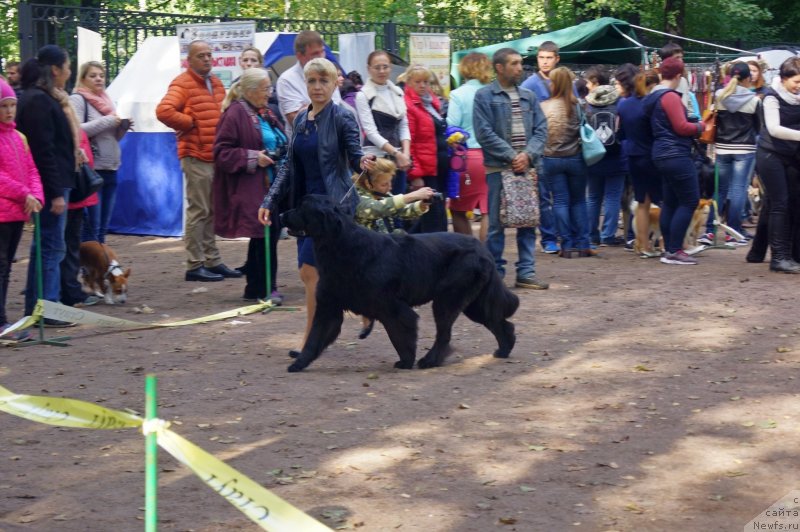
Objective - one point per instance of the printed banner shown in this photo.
(433, 51)
(227, 40)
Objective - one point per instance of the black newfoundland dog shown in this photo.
(384, 276)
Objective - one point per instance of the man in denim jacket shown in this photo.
(512, 130)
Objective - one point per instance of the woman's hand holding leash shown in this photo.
(263, 216)
(32, 204)
(264, 160)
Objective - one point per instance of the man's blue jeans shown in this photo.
(496, 240)
(566, 177)
(606, 184)
(53, 251)
(95, 223)
(735, 170)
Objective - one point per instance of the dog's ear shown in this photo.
(127, 273)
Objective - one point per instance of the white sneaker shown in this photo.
(679, 257)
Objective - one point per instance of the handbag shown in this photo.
(519, 199)
(88, 182)
(709, 136)
(592, 147)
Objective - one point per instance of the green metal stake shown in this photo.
(151, 459)
(37, 235)
(269, 261)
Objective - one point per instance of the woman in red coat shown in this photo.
(249, 143)
(428, 146)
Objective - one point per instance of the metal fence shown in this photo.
(124, 31)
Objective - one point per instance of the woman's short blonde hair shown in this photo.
(416, 72)
(476, 66)
(321, 66)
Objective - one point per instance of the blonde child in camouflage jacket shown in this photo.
(377, 207)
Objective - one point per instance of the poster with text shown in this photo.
(227, 40)
(433, 51)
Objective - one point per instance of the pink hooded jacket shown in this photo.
(18, 175)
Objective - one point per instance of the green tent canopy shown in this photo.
(598, 41)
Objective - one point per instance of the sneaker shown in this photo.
(532, 282)
(16, 336)
(49, 322)
(707, 239)
(550, 248)
(734, 242)
(88, 302)
(629, 245)
(679, 257)
(276, 298)
(614, 241)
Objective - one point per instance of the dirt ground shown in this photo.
(639, 397)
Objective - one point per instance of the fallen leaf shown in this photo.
(508, 520)
(747, 424)
(633, 508)
(536, 448)
(735, 474)
(783, 349)
(526, 489)
(641, 367)
(463, 406)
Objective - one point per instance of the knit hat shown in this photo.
(740, 70)
(6, 92)
(671, 68)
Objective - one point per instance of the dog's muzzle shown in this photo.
(284, 219)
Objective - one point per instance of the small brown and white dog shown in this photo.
(696, 227)
(102, 273)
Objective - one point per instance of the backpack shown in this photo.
(604, 122)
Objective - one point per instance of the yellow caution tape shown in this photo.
(65, 412)
(23, 323)
(263, 507)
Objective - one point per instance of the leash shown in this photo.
(353, 187)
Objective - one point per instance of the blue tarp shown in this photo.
(149, 186)
(283, 46)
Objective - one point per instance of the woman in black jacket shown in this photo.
(46, 118)
(778, 162)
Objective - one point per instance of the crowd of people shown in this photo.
(380, 149)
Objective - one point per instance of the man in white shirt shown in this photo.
(291, 86)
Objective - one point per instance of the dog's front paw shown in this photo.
(403, 365)
(502, 353)
(296, 367)
(426, 362)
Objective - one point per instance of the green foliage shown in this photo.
(728, 20)
(9, 39)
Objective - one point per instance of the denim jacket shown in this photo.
(492, 122)
(339, 156)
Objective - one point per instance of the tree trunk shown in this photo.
(675, 16)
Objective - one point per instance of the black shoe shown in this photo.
(366, 330)
(49, 322)
(753, 256)
(224, 271)
(784, 266)
(203, 275)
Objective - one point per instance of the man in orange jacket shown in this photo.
(192, 107)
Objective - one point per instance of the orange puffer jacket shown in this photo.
(193, 113)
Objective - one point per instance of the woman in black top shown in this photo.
(46, 118)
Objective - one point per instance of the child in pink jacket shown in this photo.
(20, 194)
